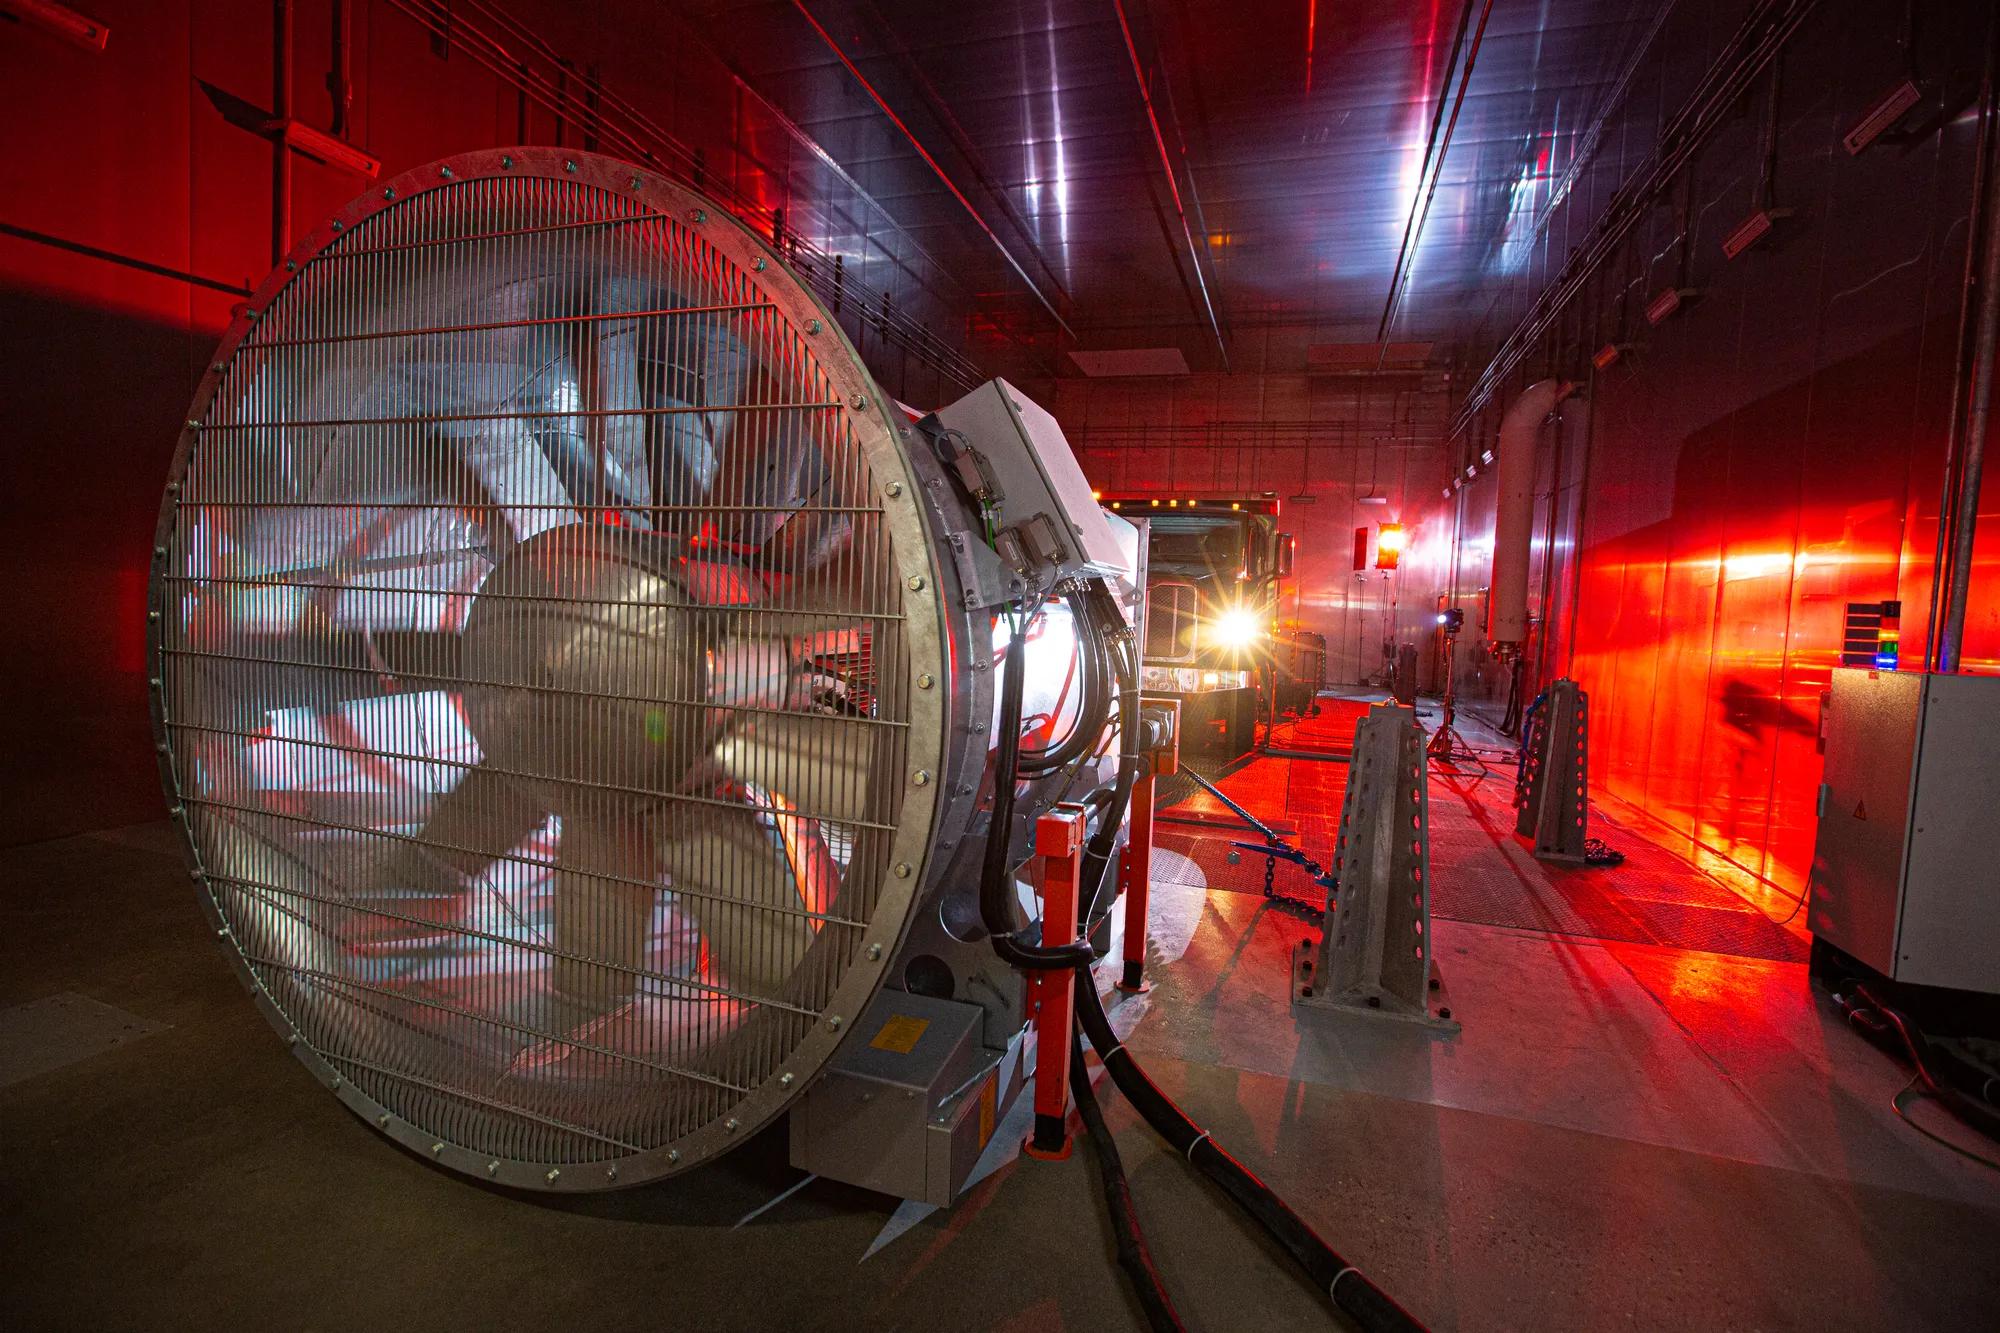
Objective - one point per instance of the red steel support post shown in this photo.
(1059, 838)
(1135, 877)
(1135, 865)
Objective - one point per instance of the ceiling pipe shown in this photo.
(512, 52)
(1513, 524)
(968, 151)
(1585, 151)
(1173, 182)
(937, 170)
(799, 135)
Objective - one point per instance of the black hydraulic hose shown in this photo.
(1349, 1289)
(996, 891)
(1133, 1256)
(1094, 704)
(1097, 853)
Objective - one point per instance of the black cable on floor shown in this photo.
(1890, 1028)
(1897, 1104)
(1348, 1288)
(1133, 1256)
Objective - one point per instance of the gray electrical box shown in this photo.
(910, 1101)
(1015, 453)
(1905, 875)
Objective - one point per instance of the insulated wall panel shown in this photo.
(1774, 450)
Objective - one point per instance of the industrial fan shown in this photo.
(578, 692)
(572, 671)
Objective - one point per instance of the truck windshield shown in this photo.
(1197, 545)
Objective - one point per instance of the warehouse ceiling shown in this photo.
(1291, 138)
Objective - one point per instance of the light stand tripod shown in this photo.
(1445, 745)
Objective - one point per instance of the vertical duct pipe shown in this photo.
(281, 148)
(1964, 507)
(1513, 526)
(340, 78)
(1572, 427)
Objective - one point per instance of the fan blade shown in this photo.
(821, 764)
(602, 916)
(739, 888)
(782, 622)
(753, 673)
(471, 826)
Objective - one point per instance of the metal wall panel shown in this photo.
(1318, 443)
(1773, 451)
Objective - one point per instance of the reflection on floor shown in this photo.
(1486, 875)
(1627, 1132)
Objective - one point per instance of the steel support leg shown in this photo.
(1135, 878)
(1059, 845)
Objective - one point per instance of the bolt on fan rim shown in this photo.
(906, 552)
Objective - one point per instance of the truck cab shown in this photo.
(1214, 567)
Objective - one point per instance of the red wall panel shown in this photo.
(133, 213)
(1772, 452)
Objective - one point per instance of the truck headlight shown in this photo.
(1237, 628)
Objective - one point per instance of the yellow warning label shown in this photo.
(900, 1034)
(987, 1095)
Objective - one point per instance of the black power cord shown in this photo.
(1094, 705)
(1892, 1029)
(1097, 608)
(1346, 1286)
(1133, 1255)
(995, 881)
(1598, 852)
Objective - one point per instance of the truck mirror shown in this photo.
(1284, 555)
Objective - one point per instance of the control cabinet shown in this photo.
(1906, 869)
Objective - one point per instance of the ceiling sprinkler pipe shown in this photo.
(1520, 436)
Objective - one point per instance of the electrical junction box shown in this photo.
(1015, 453)
(910, 1101)
(1904, 874)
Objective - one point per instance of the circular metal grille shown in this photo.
(534, 669)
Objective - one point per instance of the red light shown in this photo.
(60, 21)
(1388, 545)
(323, 147)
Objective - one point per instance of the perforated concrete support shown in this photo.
(1374, 953)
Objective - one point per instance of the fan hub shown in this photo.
(582, 668)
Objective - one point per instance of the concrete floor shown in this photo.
(1623, 1135)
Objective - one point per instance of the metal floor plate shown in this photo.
(1480, 875)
